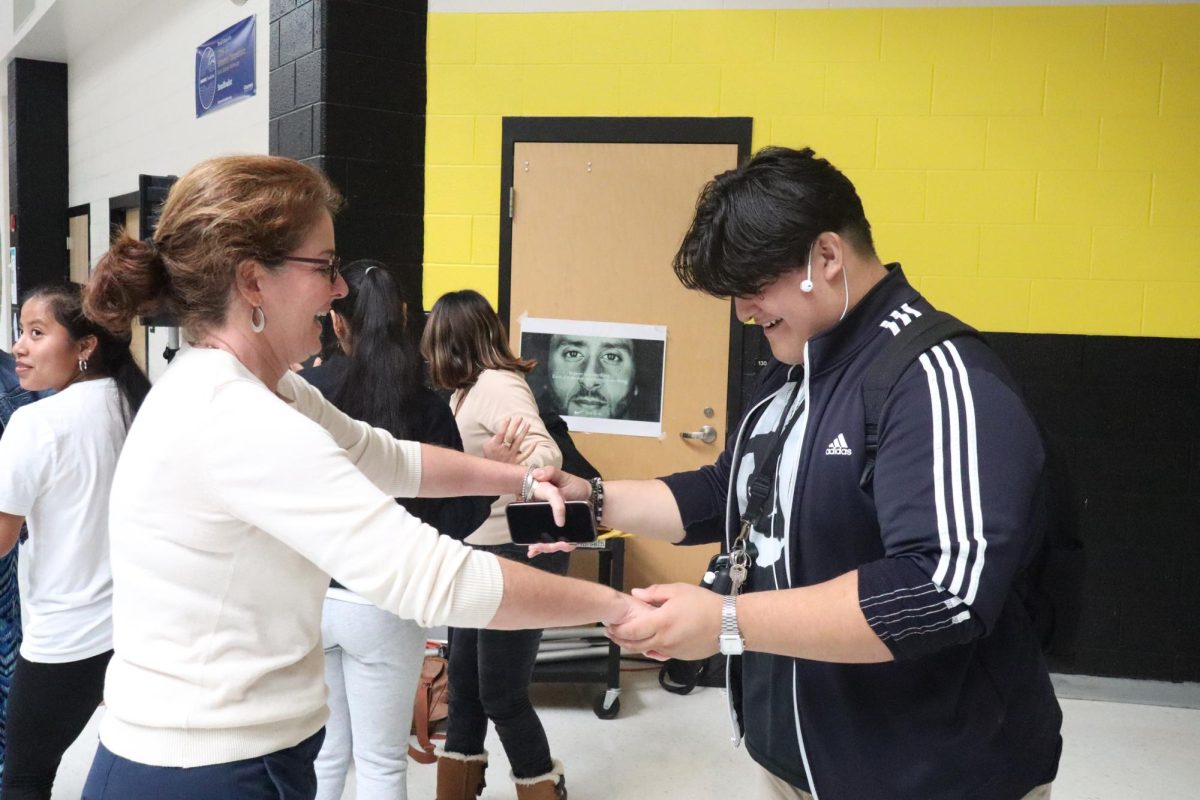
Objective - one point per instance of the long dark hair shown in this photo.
(111, 358)
(384, 373)
(463, 337)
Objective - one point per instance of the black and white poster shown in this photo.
(601, 377)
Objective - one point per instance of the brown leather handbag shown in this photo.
(431, 706)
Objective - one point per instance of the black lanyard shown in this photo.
(761, 486)
(759, 489)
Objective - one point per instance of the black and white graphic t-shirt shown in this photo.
(769, 538)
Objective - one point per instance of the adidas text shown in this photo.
(839, 447)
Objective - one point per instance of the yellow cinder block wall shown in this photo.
(1035, 169)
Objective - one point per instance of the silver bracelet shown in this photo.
(527, 485)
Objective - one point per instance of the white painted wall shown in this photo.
(130, 72)
(130, 106)
(131, 111)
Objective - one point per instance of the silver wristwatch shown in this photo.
(732, 643)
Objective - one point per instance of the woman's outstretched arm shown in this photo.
(536, 599)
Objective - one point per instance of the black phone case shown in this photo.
(533, 523)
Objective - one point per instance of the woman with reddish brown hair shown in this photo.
(241, 491)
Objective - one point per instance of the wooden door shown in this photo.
(78, 257)
(594, 228)
(137, 344)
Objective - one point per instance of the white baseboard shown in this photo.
(1126, 690)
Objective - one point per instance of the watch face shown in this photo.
(732, 644)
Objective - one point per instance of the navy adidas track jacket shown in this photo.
(966, 710)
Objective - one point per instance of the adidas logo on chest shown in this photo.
(839, 447)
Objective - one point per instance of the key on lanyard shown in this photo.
(738, 570)
(739, 560)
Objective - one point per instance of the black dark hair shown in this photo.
(112, 356)
(758, 221)
(384, 373)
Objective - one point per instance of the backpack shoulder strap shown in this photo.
(912, 340)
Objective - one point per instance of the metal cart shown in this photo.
(583, 654)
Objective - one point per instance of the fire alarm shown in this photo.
(12, 223)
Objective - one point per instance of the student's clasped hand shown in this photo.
(684, 621)
(633, 609)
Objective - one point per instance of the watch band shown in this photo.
(597, 499)
(729, 623)
(730, 640)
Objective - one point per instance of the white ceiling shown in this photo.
(60, 29)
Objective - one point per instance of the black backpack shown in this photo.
(1051, 587)
(681, 677)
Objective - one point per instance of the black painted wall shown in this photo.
(348, 96)
(37, 170)
(1125, 412)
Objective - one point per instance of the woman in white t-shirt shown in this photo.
(57, 460)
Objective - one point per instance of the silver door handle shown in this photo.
(706, 434)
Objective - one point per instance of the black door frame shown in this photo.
(623, 130)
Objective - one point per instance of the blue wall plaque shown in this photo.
(225, 67)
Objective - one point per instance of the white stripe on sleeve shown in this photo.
(961, 564)
(972, 474)
(939, 480)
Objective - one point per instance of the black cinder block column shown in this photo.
(37, 170)
(348, 96)
(1123, 412)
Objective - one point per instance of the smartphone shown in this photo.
(533, 523)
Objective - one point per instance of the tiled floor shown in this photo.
(665, 746)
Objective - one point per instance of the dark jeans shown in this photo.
(490, 673)
(49, 705)
(10, 636)
(283, 775)
(12, 397)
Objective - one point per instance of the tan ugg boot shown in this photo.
(460, 777)
(551, 786)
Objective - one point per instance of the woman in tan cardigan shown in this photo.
(490, 671)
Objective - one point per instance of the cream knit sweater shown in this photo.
(230, 510)
(500, 393)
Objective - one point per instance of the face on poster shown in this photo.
(601, 377)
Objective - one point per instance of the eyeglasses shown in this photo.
(330, 267)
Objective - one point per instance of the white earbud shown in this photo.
(846, 286)
(806, 285)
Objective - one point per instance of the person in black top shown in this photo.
(372, 658)
(878, 640)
